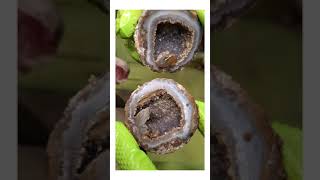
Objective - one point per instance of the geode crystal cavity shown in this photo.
(161, 115)
(166, 40)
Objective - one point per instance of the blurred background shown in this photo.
(45, 90)
(262, 51)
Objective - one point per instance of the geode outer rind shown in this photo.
(146, 33)
(174, 138)
(224, 12)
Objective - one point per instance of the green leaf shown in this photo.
(126, 22)
(292, 149)
(201, 109)
(129, 156)
(201, 14)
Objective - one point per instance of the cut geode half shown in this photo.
(166, 40)
(161, 115)
(78, 147)
(244, 144)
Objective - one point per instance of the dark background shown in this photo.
(262, 51)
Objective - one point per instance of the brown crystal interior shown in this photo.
(173, 41)
(92, 149)
(164, 114)
(96, 143)
(220, 163)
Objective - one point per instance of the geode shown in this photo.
(245, 147)
(78, 147)
(167, 40)
(161, 115)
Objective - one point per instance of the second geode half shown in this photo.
(161, 115)
(166, 40)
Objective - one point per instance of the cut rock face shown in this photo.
(167, 40)
(161, 115)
